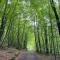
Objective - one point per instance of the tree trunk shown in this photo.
(3, 23)
(56, 15)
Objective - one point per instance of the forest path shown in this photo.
(27, 56)
(34, 56)
(14, 54)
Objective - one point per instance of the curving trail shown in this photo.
(13, 54)
(34, 56)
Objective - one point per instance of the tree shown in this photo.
(56, 15)
(3, 23)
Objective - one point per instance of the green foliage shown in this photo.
(31, 25)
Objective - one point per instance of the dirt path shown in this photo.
(8, 54)
(27, 56)
(13, 54)
(34, 56)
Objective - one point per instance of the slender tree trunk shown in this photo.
(3, 23)
(39, 42)
(18, 35)
(37, 48)
(56, 15)
(46, 40)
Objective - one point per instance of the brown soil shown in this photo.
(14, 54)
(8, 54)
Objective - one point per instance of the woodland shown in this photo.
(30, 25)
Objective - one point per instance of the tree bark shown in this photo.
(56, 15)
(3, 23)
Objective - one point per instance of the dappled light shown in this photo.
(29, 29)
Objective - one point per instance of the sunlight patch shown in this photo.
(9, 1)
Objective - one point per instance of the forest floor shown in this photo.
(8, 54)
(14, 54)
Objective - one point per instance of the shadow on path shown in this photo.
(34, 56)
